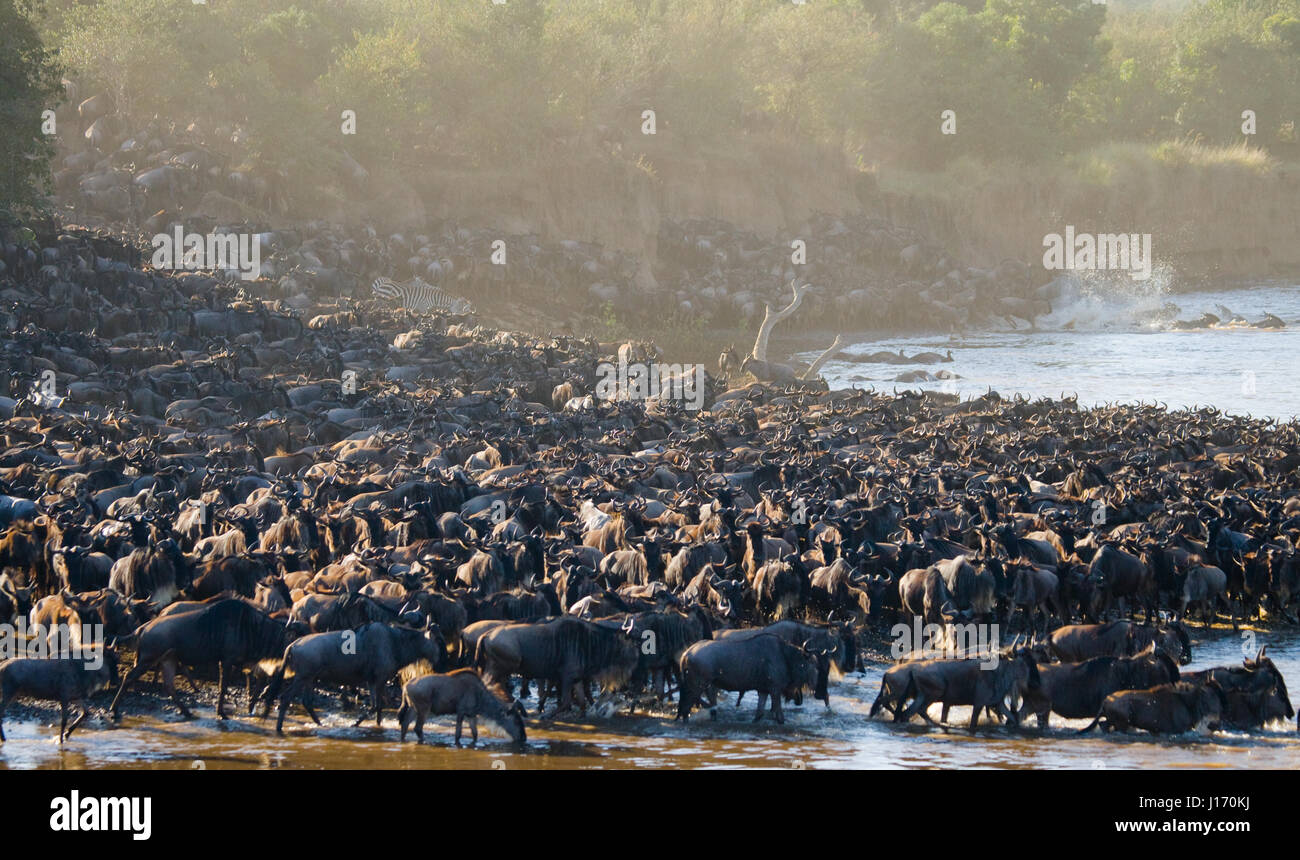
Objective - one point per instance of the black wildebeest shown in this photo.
(368, 656)
(766, 663)
(828, 644)
(463, 694)
(66, 680)
(566, 651)
(1166, 709)
(956, 682)
(229, 633)
(1076, 690)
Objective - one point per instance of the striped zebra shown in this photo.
(419, 297)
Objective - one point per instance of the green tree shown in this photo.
(29, 85)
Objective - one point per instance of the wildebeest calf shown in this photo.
(64, 680)
(464, 694)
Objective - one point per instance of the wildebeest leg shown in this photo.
(566, 691)
(285, 698)
(975, 713)
(4, 705)
(920, 705)
(133, 675)
(376, 697)
(419, 726)
(473, 729)
(221, 690)
(740, 696)
(169, 683)
(189, 679)
(63, 720)
(685, 701)
(762, 700)
(81, 704)
(309, 703)
(943, 715)
(777, 709)
(459, 720)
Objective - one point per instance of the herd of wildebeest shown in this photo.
(363, 502)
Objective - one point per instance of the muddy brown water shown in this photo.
(812, 737)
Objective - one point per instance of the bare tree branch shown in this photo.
(771, 319)
(811, 372)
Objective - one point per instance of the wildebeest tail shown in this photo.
(1092, 725)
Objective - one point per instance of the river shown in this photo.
(812, 737)
(1107, 343)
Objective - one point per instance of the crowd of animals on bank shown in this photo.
(362, 496)
(204, 177)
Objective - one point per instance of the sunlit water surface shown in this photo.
(1114, 345)
(812, 737)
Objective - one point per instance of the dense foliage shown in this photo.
(29, 86)
(480, 84)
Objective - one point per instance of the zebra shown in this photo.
(420, 297)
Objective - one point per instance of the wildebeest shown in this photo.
(566, 651)
(368, 656)
(464, 694)
(1075, 643)
(229, 633)
(1166, 709)
(66, 680)
(956, 682)
(1076, 690)
(662, 637)
(1118, 575)
(1255, 692)
(1204, 586)
(155, 574)
(766, 663)
(827, 644)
